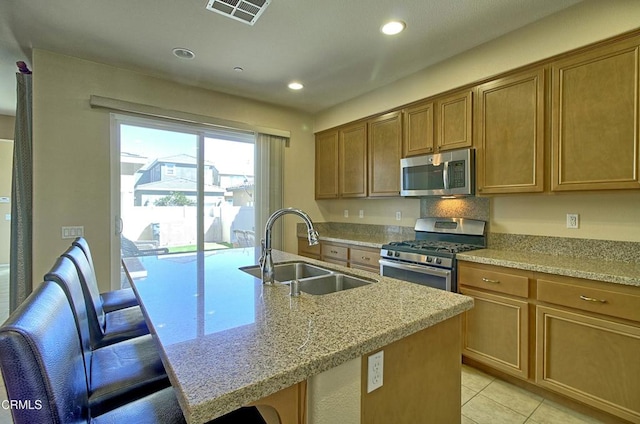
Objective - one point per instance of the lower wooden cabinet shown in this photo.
(495, 332)
(591, 359)
(364, 258)
(579, 338)
(344, 254)
(304, 249)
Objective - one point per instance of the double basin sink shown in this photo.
(312, 279)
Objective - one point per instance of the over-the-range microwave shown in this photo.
(444, 174)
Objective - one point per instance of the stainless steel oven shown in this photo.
(430, 259)
(420, 274)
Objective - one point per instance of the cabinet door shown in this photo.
(496, 332)
(454, 127)
(589, 359)
(309, 251)
(385, 150)
(418, 130)
(510, 131)
(595, 119)
(327, 165)
(353, 160)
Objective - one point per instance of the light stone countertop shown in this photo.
(227, 340)
(627, 273)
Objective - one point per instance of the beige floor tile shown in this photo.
(475, 379)
(513, 397)
(552, 413)
(467, 394)
(483, 410)
(467, 420)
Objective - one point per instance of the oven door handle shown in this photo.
(422, 269)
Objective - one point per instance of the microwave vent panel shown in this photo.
(247, 11)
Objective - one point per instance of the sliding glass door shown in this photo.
(181, 188)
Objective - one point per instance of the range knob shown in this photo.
(389, 253)
(438, 261)
(429, 259)
(397, 254)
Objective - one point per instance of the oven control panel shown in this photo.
(417, 258)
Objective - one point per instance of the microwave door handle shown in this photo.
(445, 175)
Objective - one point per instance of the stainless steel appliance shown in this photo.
(443, 174)
(430, 259)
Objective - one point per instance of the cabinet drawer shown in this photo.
(592, 296)
(335, 251)
(305, 250)
(492, 278)
(366, 257)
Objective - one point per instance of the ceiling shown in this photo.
(333, 47)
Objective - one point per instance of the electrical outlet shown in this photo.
(398, 216)
(361, 213)
(375, 371)
(346, 213)
(573, 220)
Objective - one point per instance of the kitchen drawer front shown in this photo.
(365, 257)
(335, 251)
(305, 250)
(493, 278)
(591, 296)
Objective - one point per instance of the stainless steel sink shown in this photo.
(332, 283)
(312, 279)
(289, 271)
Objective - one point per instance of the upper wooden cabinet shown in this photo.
(454, 125)
(510, 134)
(385, 150)
(595, 119)
(326, 172)
(444, 123)
(352, 159)
(418, 130)
(360, 159)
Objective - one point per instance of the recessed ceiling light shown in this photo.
(296, 86)
(183, 53)
(393, 27)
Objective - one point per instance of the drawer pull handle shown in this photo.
(365, 258)
(486, 280)
(591, 299)
(334, 251)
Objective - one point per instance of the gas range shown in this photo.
(430, 258)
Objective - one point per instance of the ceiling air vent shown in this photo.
(247, 11)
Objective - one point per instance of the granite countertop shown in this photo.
(627, 273)
(227, 340)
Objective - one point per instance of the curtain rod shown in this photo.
(100, 102)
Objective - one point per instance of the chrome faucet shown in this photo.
(266, 262)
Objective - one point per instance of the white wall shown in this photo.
(604, 215)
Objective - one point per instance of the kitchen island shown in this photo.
(228, 341)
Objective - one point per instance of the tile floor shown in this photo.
(488, 400)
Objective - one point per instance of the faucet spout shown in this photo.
(266, 261)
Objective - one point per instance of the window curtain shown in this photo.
(20, 280)
(269, 184)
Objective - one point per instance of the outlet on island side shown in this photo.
(375, 371)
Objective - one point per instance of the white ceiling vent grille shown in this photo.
(247, 11)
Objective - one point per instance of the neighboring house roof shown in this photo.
(181, 159)
(241, 187)
(178, 184)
